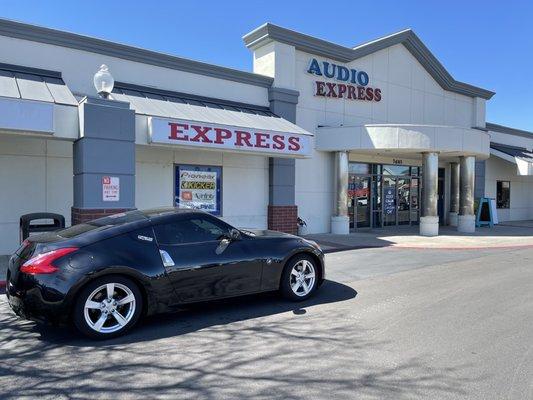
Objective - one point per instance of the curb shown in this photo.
(411, 247)
(503, 247)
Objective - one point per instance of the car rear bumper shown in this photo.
(35, 297)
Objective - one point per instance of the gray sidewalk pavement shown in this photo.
(513, 234)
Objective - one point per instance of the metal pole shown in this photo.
(341, 189)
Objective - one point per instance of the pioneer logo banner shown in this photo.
(224, 137)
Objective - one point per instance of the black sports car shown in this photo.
(105, 274)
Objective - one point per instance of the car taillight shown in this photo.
(43, 263)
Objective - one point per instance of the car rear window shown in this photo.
(101, 224)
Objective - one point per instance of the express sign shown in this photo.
(351, 84)
(224, 137)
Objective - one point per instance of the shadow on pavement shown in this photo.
(202, 315)
(235, 349)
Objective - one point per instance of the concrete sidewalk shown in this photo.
(508, 235)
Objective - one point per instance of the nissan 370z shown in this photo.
(104, 275)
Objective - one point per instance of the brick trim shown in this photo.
(283, 219)
(80, 215)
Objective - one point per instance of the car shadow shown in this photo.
(202, 315)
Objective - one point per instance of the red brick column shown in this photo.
(283, 219)
(80, 215)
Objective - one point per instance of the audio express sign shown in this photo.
(225, 137)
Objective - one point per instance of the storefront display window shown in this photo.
(503, 194)
(199, 187)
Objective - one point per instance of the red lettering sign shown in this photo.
(231, 137)
(346, 91)
(176, 131)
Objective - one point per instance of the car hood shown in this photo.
(267, 233)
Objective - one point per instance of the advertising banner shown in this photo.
(198, 187)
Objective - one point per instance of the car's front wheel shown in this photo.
(300, 278)
(107, 307)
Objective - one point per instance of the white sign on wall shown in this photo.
(226, 137)
(110, 188)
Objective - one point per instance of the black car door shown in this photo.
(202, 263)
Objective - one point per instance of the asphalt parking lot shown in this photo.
(388, 324)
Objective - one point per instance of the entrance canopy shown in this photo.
(522, 157)
(404, 139)
(192, 121)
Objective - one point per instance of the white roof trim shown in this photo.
(171, 110)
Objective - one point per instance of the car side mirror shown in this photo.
(234, 234)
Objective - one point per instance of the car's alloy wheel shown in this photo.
(107, 307)
(299, 278)
(302, 278)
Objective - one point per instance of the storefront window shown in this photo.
(199, 187)
(396, 170)
(503, 194)
(359, 168)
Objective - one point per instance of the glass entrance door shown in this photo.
(389, 200)
(404, 206)
(383, 195)
(359, 201)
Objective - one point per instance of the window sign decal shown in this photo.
(390, 201)
(199, 187)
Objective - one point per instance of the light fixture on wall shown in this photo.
(103, 82)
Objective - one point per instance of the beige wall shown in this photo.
(521, 206)
(244, 186)
(35, 176)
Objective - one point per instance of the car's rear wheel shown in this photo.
(107, 307)
(300, 278)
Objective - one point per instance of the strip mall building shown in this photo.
(345, 138)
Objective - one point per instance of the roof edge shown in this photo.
(21, 30)
(508, 130)
(268, 32)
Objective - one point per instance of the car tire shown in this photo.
(99, 316)
(296, 286)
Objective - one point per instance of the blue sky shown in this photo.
(485, 43)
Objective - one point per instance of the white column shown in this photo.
(340, 222)
(466, 222)
(429, 219)
(454, 193)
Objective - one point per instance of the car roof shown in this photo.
(141, 217)
(162, 213)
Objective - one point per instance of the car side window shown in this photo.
(191, 230)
